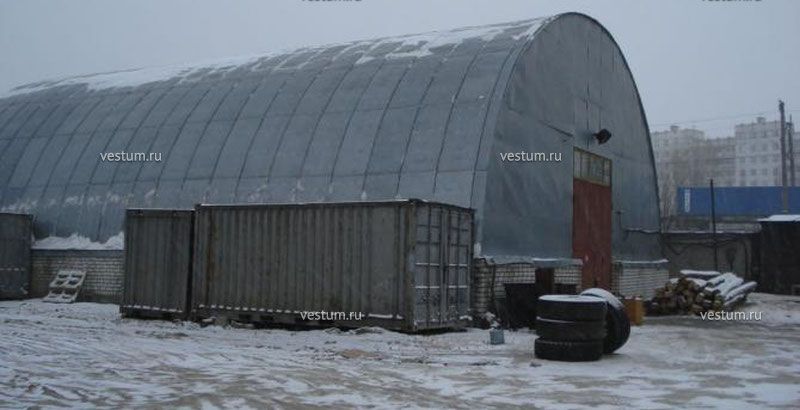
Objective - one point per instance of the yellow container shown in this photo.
(634, 307)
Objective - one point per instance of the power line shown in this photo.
(729, 117)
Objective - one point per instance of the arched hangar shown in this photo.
(448, 116)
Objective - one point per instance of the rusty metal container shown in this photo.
(158, 263)
(15, 255)
(402, 265)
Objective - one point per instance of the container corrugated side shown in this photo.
(158, 258)
(270, 263)
(15, 255)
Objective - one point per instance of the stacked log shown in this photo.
(695, 294)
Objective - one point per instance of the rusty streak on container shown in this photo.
(403, 264)
(158, 258)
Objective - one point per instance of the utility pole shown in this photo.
(784, 191)
(790, 135)
(714, 223)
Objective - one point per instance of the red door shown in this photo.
(591, 232)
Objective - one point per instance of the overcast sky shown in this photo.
(692, 59)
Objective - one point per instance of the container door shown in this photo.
(591, 218)
(158, 257)
(456, 243)
(442, 261)
(15, 256)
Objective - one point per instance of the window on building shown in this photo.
(591, 167)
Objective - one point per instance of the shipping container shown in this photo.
(736, 201)
(780, 255)
(15, 255)
(402, 265)
(158, 263)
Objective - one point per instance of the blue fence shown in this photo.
(736, 201)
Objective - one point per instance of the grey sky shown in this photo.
(692, 59)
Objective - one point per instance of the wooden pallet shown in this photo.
(66, 286)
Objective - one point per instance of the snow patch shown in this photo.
(139, 76)
(670, 362)
(420, 45)
(781, 218)
(75, 241)
(411, 46)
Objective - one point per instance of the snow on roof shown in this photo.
(420, 45)
(411, 46)
(75, 241)
(135, 77)
(699, 272)
(781, 218)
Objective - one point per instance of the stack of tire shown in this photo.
(618, 326)
(580, 328)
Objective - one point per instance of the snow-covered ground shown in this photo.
(85, 355)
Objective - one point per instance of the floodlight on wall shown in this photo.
(602, 136)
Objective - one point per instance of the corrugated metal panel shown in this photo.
(15, 255)
(400, 264)
(736, 201)
(158, 257)
(423, 116)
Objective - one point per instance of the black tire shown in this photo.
(625, 327)
(618, 326)
(568, 351)
(573, 308)
(604, 294)
(568, 331)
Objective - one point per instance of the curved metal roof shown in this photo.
(413, 116)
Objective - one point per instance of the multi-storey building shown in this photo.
(686, 157)
(758, 153)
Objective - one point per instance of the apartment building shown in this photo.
(758, 153)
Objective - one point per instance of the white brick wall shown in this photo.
(569, 275)
(104, 272)
(632, 280)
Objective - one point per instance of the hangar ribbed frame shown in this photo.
(422, 116)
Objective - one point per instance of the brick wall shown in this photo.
(638, 279)
(104, 272)
(104, 276)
